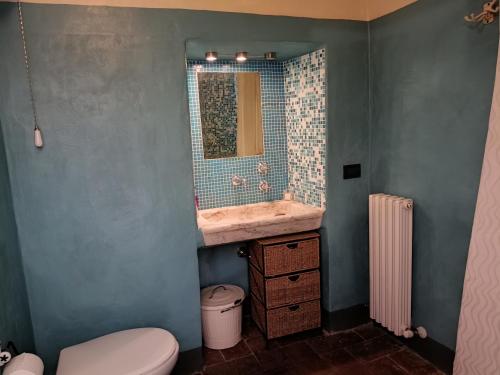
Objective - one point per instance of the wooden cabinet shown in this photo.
(285, 284)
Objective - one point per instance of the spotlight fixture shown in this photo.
(270, 55)
(211, 56)
(241, 56)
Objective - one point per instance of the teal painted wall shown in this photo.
(15, 320)
(222, 265)
(105, 211)
(432, 83)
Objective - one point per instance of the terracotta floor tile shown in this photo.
(300, 352)
(413, 363)
(259, 343)
(354, 368)
(369, 331)
(283, 370)
(299, 337)
(385, 366)
(339, 357)
(333, 342)
(373, 349)
(238, 351)
(366, 350)
(317, 367)
(211, 357)
(241, 366)
(272, 359)
(219, 369)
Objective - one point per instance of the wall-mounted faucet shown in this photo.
(237, 181)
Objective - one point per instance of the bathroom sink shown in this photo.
(241, 223)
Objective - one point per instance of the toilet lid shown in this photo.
(131, 352)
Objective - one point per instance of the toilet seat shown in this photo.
(132, 352)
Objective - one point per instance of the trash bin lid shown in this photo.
(219, 297)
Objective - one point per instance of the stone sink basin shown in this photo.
(242, 223)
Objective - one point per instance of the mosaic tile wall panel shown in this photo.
(212, 177)
(217, 93)
(305, 108)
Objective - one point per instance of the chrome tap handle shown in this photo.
(264, 186)
(238, 181)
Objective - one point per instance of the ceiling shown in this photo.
(361, 10)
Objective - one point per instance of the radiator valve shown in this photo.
(421, 332)
(408, 333)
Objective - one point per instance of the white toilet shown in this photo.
(141, 351)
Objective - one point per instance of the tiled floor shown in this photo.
(363, 350)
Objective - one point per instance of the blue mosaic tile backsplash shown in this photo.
(305, 108)
(294, 123)
(212, 177)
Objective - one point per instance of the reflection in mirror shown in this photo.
(231, 117)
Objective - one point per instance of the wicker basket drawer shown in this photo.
(287, 320)
(280, 255)
(285, 290)
(291, 257)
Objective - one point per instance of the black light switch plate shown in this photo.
(352, 171)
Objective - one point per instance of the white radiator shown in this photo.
(391, 222)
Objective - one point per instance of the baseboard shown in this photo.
(189, 362)
(341, 320)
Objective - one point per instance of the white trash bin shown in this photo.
(221, 315)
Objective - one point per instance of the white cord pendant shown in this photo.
(38, 138)
(38, 134)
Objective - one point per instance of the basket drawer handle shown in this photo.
(294, 307)
(293, 277)
(293, 245)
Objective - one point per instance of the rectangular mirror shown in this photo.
(231, 115)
